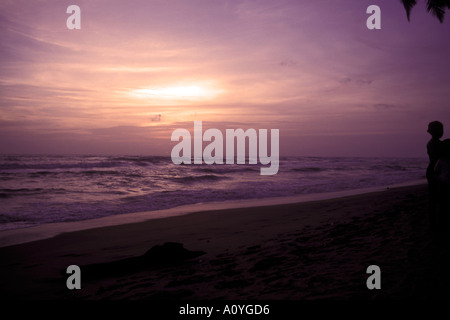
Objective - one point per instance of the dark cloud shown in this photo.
(358, 82)
(156, 118)
(287, 63)
(384, 106)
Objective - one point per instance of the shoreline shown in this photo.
(17, 236)
(298, 251)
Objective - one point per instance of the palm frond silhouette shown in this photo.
(436, 7)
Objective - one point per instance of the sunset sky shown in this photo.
(137, 70)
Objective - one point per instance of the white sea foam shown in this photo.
(51, 189)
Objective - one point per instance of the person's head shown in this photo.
(436, 129)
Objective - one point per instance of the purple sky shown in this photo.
(137, 70)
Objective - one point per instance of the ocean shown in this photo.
(44, 189)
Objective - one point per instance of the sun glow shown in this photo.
(192, 92)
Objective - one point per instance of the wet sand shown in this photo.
(312, 250)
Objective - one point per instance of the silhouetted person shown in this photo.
(442, 174)
(434, 146)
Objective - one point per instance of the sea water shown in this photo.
(44, 189)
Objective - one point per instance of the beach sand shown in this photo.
(312, 250)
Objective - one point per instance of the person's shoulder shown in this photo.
(434, 143)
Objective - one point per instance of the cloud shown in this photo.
(358, 81)
(156, 118)
(303, 67)
(384, 106)
(288, 63)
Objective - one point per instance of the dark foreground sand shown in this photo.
(314, 250)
